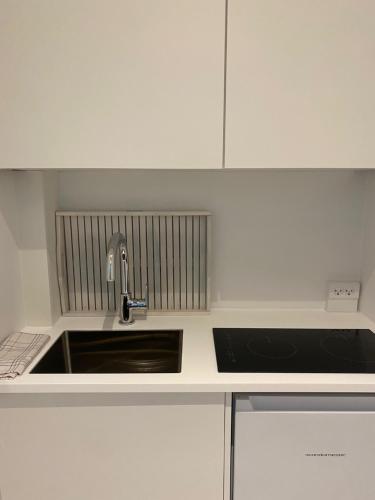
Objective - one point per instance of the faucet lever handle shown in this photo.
(140, 304)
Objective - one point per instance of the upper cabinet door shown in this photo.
(300, 84)
(111, 83)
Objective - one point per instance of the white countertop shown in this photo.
(199, 372)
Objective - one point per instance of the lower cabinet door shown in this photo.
(304, 456)
(112, 447)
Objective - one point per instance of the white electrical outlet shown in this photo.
(343, 296)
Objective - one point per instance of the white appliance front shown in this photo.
(298, 447)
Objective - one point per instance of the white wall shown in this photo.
(36, 192)
(11, 307)
(28, 281)
(367, 304)
(278, 236)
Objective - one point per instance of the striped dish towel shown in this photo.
(17, 351)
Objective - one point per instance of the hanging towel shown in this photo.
(17, 351)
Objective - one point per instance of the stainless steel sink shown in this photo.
(145, 351)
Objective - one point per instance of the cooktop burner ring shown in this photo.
(343, 347)
(270, 347)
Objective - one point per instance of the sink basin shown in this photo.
(142, 351)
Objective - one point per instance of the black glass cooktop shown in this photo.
(266, 350)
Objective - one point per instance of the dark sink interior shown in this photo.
(145, 351)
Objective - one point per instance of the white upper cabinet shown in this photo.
(300, 84)
(111, 83)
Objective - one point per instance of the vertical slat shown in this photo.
(89, 263)
(83, 262)
(163, 262)
(122, 229)
(122, 226)
(157, 266)
(76, 262)
(202, 262)
(207, 275)
(130, 245)
(61, 265)
(183, 268)
(189, 262)
(136, 257)
(117, 284)
(69, 263)
(195, 258)
(176, 262)
(170, 263)
(110, 286)
(97, 268)
(143, 255)
(150, 262)
(102, 257)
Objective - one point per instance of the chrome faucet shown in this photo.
(127, 304)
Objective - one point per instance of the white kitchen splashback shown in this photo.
(168, 260)
(278, 236)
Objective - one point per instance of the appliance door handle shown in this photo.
(256, 403)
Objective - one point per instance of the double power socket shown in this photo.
(343, 296)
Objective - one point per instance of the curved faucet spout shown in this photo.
(127, 304)
(118, 241)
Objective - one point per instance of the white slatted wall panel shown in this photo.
(168, 251)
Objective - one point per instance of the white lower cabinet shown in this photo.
(112, 447)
